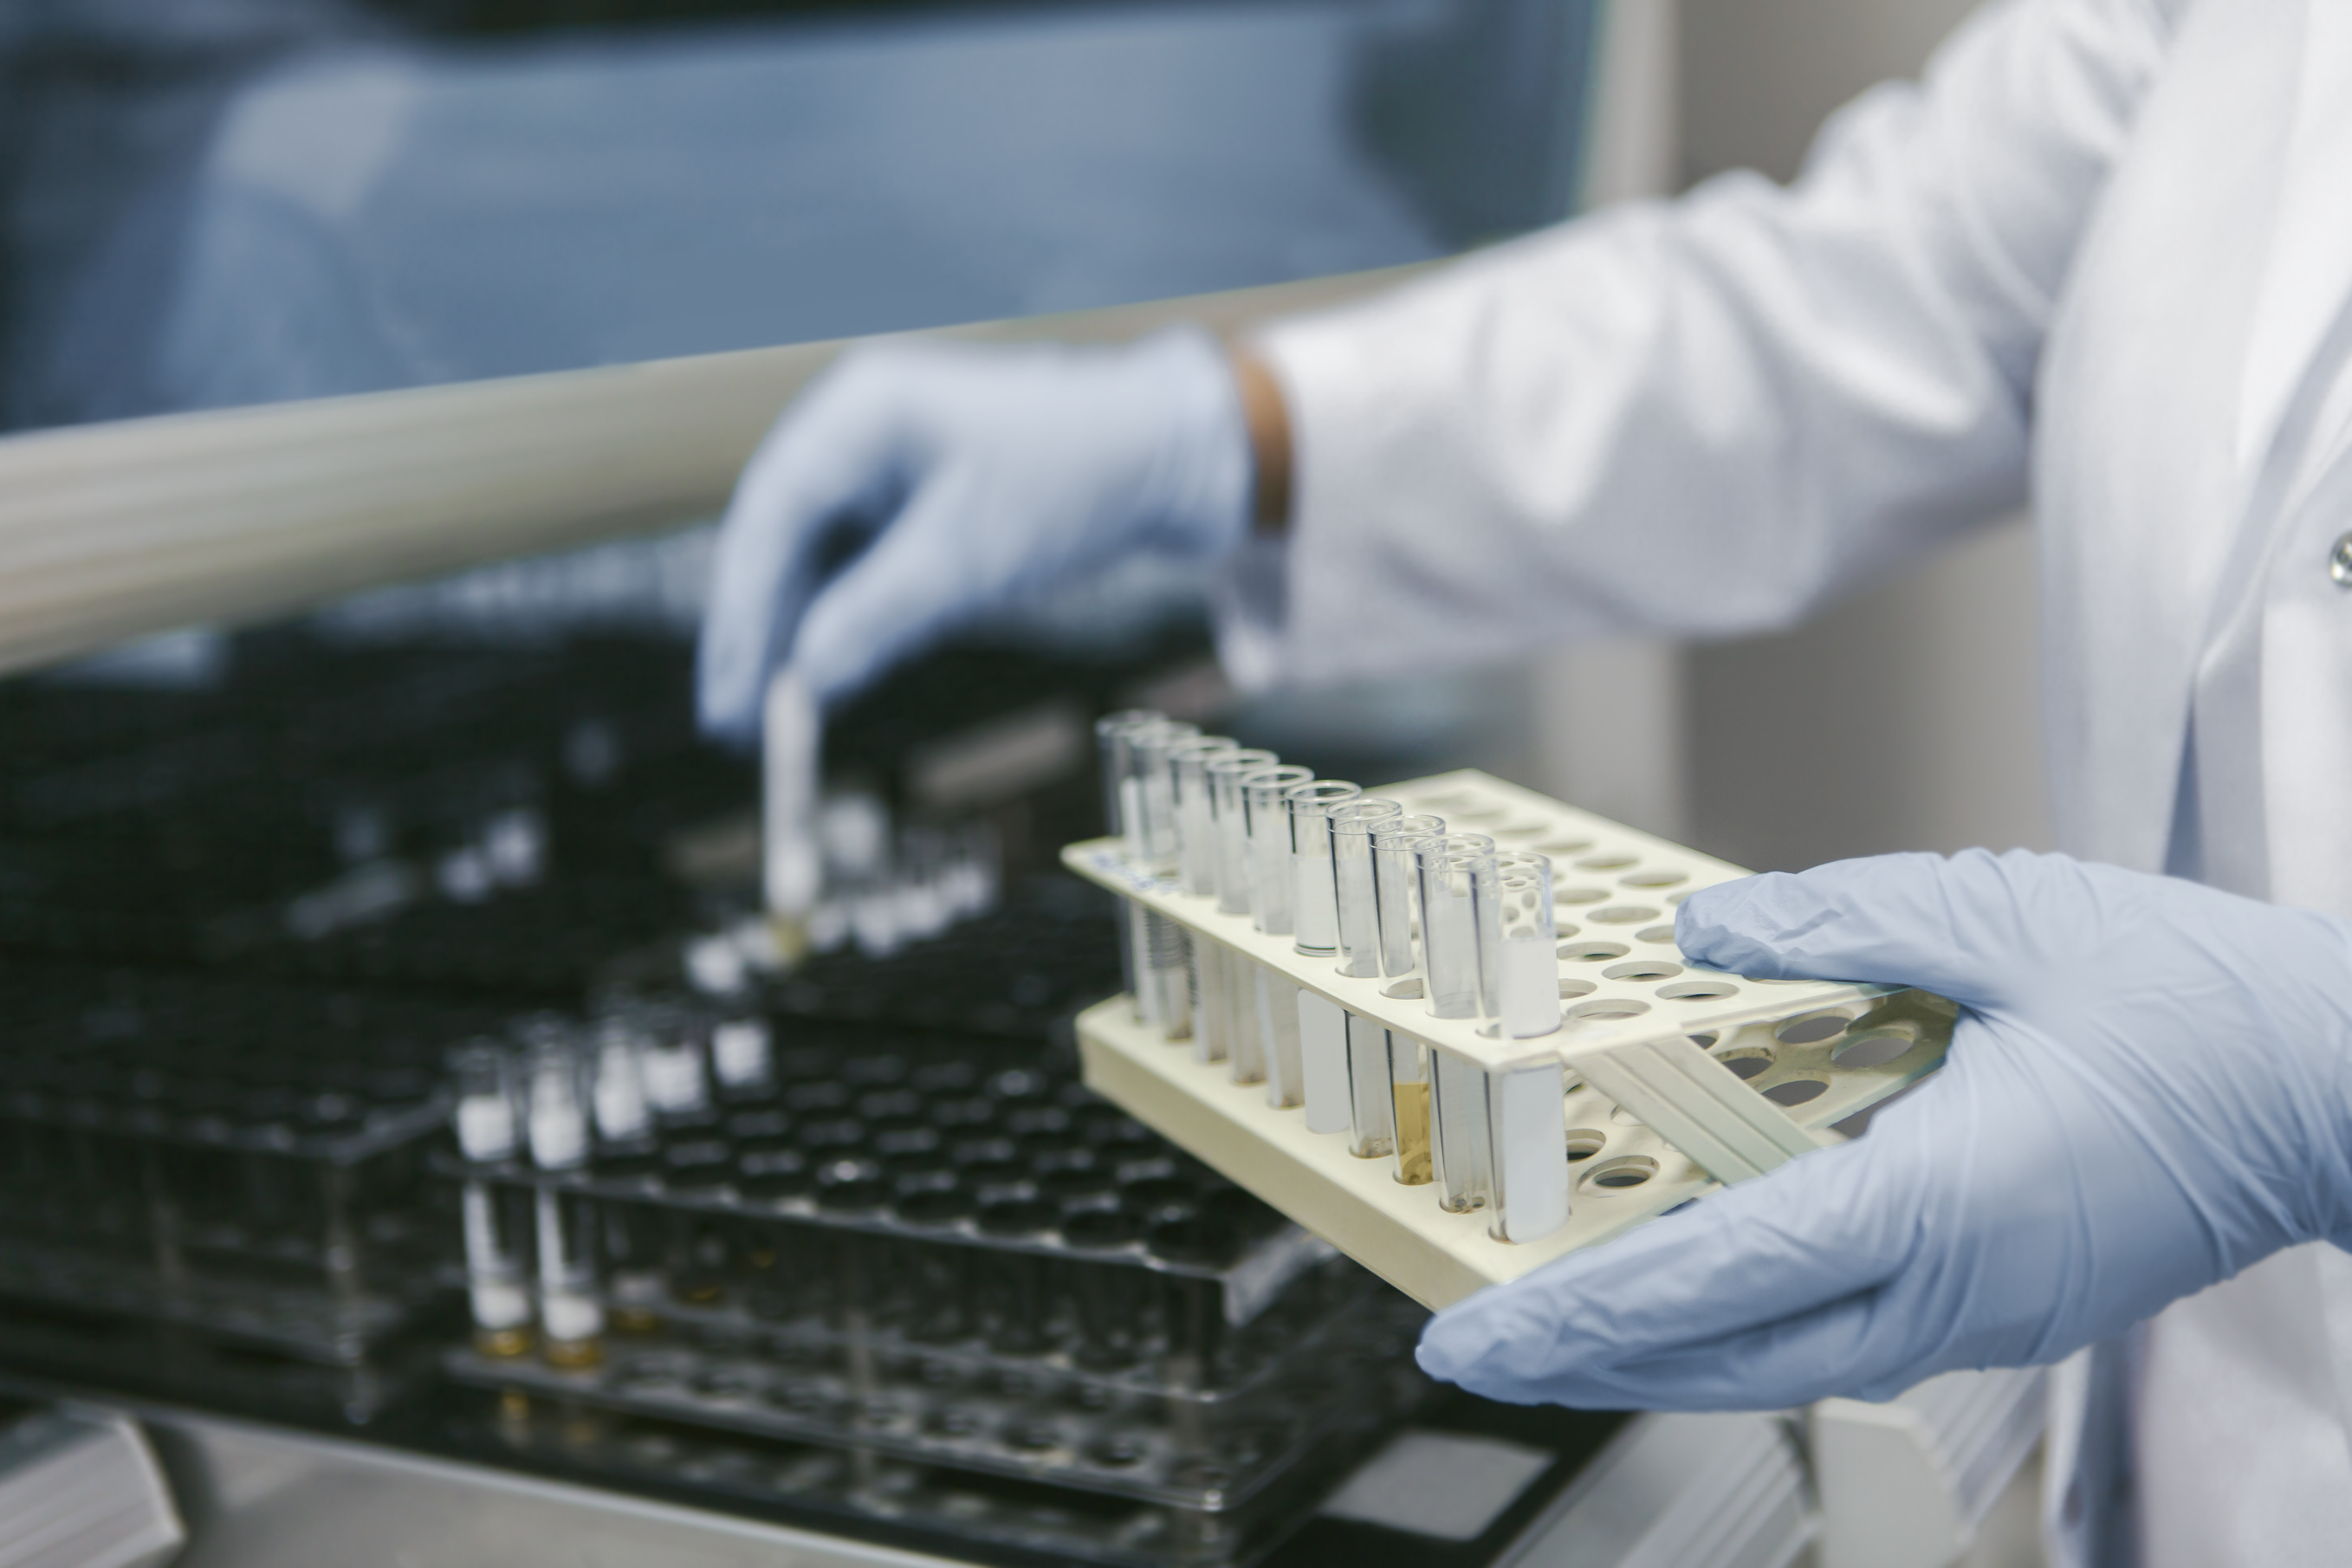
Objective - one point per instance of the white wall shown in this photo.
(1906, 717)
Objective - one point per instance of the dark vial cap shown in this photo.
(941, 1078)
(773, 1173)
(859, 1195)
(940, 1207)
(924, 1174)
(1020, 1084)
(635, 1164)
(1244, 1213)
(955, 1421)
(1017, 1216)
(969, 1111)
(901, 1136)
(700, 1165)
(1032, 1437)
(809, 1098)
(1024, 1120)
(1196, 1243)
(751, 1125)
(1158, 1199)
(984, 1151)
(889, 1102)
(1078, 1188)
(803, 1063)
(1119, 1453)
(999, 1178)
(834, 1133)
(1100, 1230)
(874, 1070)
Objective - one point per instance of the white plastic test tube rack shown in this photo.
(1664, 1080)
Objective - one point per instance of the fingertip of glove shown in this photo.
(1728, 926)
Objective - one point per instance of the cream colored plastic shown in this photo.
(1654, 1048)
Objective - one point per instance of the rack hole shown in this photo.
(1580, 895)
(1653, 878)
(1593, 952)
(1609, 1007)
(1625, 1171)
(1622, 915)
(1643, 969)
(1403, 990)
(1564, 930)
(1583, 1143)
(1698, 991)
(1655, 934)
(1607, 862)
(1811, 1029)
(1796, 1092)
(1874, 1049)
(1748, 1066)
(1565, 845)
(1569, 988)
(1525, 830)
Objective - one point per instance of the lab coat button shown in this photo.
(2339, 561)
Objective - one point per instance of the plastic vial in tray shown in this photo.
(217, 1187)
(1446, 1027)
(930, 1252)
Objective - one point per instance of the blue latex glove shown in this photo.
(2150, 1089)
(980, 475)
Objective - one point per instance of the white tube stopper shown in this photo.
(792, 864)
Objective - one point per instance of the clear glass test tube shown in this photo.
(742, 1052)
(1371, 1103)
(570, 1313)
(1212, 1012)
(1147, 813)
(1353, 827)
(1278, 1026)
(1196, 859)
(1111, 732)
(1528, 1143)
(1244, 1039)
(489, 1097)
(1408, 1073)
(558, 1115)
(1394, 896)
(1148, 810)
(1111, 739)
(625, 1120)
(1268, 819)
(1314, 898)
(1195, 810)
(1449, 868)
(1225, 772)
(1459, 1161)
(496, 1223)
(1524, 972)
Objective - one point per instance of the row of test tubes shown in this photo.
(1385, 894)
(558, 1097)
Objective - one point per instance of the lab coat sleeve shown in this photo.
(1699, 417)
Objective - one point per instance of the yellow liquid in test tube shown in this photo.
(1412, 1133)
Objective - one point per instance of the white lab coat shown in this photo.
(2102, 259)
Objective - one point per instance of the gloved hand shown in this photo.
(978, 475)
(2150, 1088)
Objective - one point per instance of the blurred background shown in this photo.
(255, 879)
(221, 202)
